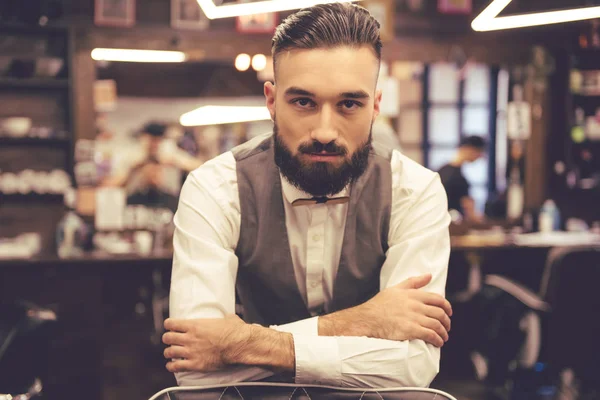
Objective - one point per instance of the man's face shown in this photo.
(323, 104)
(474, 154)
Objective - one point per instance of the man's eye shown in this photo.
(350, 104)
(303, 102)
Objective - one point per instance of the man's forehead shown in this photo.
(336, 70)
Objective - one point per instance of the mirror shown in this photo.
(141, 143)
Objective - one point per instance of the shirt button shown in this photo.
(316, 238)
(314, 284)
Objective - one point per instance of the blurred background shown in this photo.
(106, 105)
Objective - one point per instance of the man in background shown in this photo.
(471, 149)
(152, 172)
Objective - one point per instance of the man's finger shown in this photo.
(438, 314)
(434, 325)
(176, 352)
(416, 282)
(430, 336)
(436, 300)
(179, 366)
(174, 338)
(177, 325)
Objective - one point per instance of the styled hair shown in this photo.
(326, 26)
(476, 142)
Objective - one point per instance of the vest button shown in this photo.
(316, 238)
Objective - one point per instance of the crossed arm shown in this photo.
(391, 340)
(213, 344)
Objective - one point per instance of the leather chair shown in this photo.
(281, 391)
(24, 341)
(568, 303)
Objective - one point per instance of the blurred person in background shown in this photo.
(337, 246)
(471, 149)
(152, 173)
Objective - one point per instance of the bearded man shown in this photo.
(336, 247)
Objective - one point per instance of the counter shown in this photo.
(104, 345)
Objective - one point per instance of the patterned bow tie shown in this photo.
(320, 200)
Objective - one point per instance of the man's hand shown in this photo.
(402, 312)
(202, 345)
(207, 345)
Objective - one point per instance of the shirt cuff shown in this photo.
(317, 361)
(306, 327)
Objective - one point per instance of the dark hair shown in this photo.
(156, 129)
(476, 142)
(327, 26)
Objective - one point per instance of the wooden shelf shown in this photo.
(27, 141)
(586, 94)
(20, 27)
(34, 83)
(32, 197)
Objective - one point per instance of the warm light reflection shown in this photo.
(242, 62)
(259, 62)
(488, 20)
(217, 115)
(130, 55)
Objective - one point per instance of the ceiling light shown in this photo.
(217, 115)
(242, 62)
(235, 10)
(129, 55)
(488, 20)
(259, 62)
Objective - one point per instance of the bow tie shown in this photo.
(320, 200)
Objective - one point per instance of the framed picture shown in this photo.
(187, 14)
(455, 6)
(383, 11)
(257, 23)
(114, 12)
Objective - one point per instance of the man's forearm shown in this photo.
(355, 321)
(262, 347)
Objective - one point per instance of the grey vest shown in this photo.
(266, 283)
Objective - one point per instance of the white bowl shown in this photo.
(48, 67)
(16, 126)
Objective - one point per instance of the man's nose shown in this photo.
(325, 131)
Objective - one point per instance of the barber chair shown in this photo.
(273, 391)
(557, 329)
(24, 344)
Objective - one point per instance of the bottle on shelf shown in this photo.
(515, 195)
(549, 218)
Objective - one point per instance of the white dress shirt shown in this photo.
(207, 228)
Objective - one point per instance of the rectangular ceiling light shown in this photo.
(128, 55)
(217, 115)
(488, 20)
(213, 11)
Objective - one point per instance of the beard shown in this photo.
(320, 178)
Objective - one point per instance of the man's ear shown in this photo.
(270, 93)
(377, 104)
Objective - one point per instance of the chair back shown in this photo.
(570, 285)
(279, 391)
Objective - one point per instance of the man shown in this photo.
(152, 173)
(338, 251)
(471, 149)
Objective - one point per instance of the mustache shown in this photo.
(318, 147)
